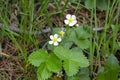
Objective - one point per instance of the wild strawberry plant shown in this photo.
(65, 51)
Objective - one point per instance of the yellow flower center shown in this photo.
(61, 33)
(70, 20)
(54, 39)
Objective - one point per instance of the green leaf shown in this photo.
(111, 70)
(38, 57)
(118, 44)
(56, 30)
(50, 47)
(67, 44)
(71, 67)
(89, 4)
(71, 34)
(47, 63)
(79, 37)
(83, 74)
(83, 43)
(61, 53)
(72, 59)
(101, 4)
(112, 67)
(53, 63)
(43, 73)
(77, 49)
(81, 33)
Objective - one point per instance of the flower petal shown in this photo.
(74, 22)
(51, 36)
(56, 43)
(59, 39)
(66, 21)
(56, 36)
(68, 16)
(73, 17)
(71, 24)
(50, 42)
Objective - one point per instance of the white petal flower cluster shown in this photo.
(70, 20)
(56, 38)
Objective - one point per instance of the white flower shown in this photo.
(70, 20)
(54, 39)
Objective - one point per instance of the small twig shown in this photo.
(98, 29)
(14, 29)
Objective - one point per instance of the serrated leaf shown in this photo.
(71, 67)
(53, 63)
(47, 63)
(38, 57)
(43, 73)
(79, 58)
(71, 57)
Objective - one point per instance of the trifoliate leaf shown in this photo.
(53, 63)
(43, 73)
(79, 37)
(72, 59)
(38, 57)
